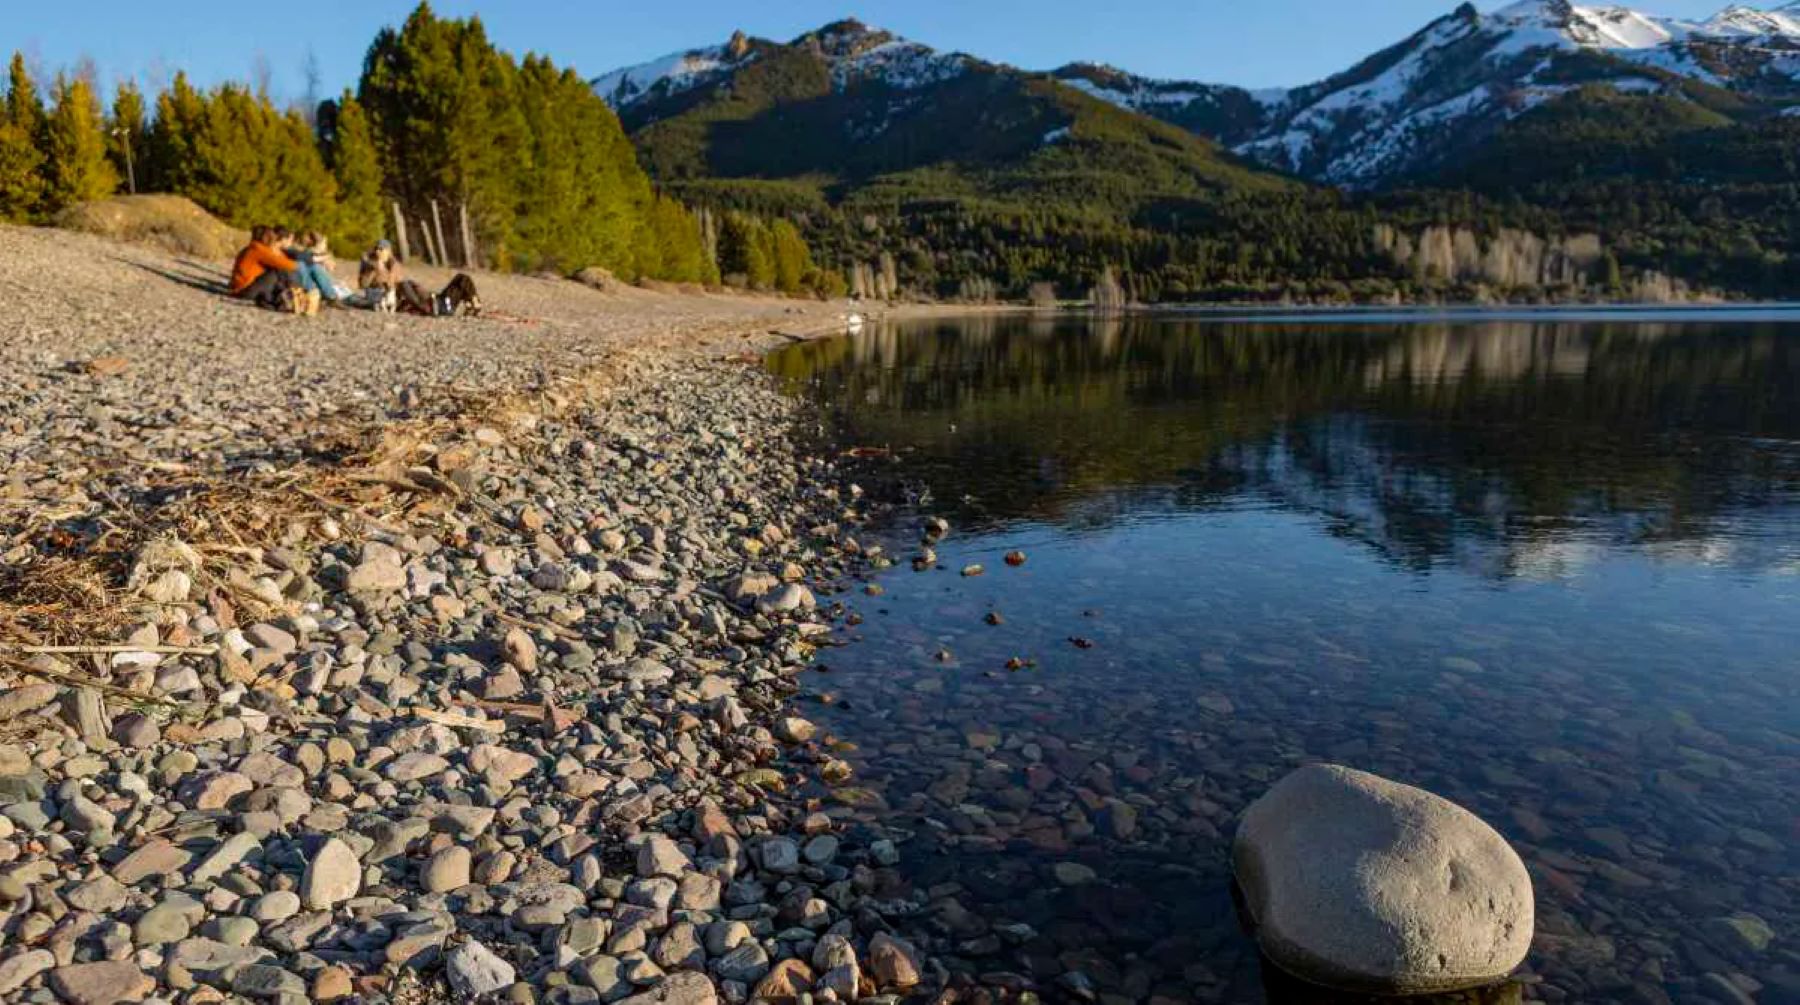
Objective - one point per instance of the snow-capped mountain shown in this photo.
(1748, 22)
(856, 52)
(853, 51)
(1394, 114)
(1466, 74)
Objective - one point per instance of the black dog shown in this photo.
(460, 297)
(457, 299)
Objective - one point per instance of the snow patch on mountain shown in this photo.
(1738, 21)
(1467, 72)
(1393, 85)
(1557, 24)
(900, 64)
(1218, 110)
(855, 53)
(1139, 93)
(671, 74)
(1402, 109)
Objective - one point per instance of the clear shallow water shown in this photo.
(1547, 568)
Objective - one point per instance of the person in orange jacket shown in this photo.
(261, 272)
(263, 275)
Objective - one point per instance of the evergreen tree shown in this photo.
(356, 165)
(21, 187)
(306, 192)
(791, 261)
(127, 134)
(681, 243)
(24, 107)
(76, 168)
(180, 117)
(550, 178)
(443, 104)
(21, 159)
(242, 160)
(747, 252)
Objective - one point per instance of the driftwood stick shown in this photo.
(557, 630)
(91, 683)
(107, 650)
(456, 721)
(375, 522)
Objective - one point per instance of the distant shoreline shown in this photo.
(1371, 313)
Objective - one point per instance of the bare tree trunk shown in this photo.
(437, 223)
(431, 250)
(400, 235)
(468, 238)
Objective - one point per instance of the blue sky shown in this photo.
(1259, 43)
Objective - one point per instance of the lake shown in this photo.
(1547, 566)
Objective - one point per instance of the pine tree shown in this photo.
(127, 134)
(228, 171)
(549, 176)
(443, 103)
(21, 159)
(307, 193)
(747, 251)
(24, 107)
(21, 187)
(681, 243)
(76, 169)
(240, 159)
(356, 165)
(792, 261)
(180, 117)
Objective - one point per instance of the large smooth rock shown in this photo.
(474, 970)
(101, 983)
(1367, 885)
(332, 876)
(685, 987)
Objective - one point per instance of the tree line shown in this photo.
(440, 115)
(759, 253)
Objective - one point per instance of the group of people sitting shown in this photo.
(279, 270)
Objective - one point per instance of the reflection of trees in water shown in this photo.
(1425, 495)
(1513, 448)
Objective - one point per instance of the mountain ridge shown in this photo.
(1536, 123)
(1398, 112)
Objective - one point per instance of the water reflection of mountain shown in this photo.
(1514, 448)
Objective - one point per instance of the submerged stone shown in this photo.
(1360, 883)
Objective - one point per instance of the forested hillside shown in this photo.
(1668, 183)
(440, 114)
(1667, 145)
(944, 176)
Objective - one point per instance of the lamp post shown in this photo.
(124, 136)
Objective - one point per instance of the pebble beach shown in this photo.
(390, 659)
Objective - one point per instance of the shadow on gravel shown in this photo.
(204, 278)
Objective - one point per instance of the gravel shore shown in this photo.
(377, 658)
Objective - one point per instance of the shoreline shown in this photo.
(490, 696)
